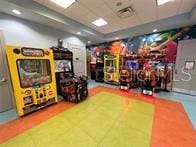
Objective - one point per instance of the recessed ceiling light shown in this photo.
(155, 30)
(63, 3)
(89, 42)
(100, 22)
(78, 33)
(162, 2)
(16, 11)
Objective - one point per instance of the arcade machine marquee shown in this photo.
(33, 78)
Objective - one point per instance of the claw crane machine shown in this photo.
(112, 65)
(33, 78)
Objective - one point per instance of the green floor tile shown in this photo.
(123, 137)
(76, 137)
(97, 126)
(105, 120)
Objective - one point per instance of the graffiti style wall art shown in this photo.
(166, 41)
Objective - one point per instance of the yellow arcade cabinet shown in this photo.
(112, 65)
(33, 78)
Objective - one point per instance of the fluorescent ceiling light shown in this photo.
(100, 22)
(63, 3)
(155, 30)
(89, 42)
(162, 2)
(16, 12)
(78, 33)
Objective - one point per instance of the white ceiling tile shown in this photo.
(92, 3)
(90, 17)
(113, 4)
(102, 11)
(77, 9)
(111, 18)
(131, 21)
(86, 11)
(168, 9)
(145, 12)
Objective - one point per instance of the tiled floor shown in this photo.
(96, 123)
(109, 117)
(189, 103)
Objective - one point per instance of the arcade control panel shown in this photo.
(36, 98)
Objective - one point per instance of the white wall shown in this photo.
(25, 33)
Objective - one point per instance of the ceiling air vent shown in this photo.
(126, 12)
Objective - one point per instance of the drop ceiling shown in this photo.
(79, 17)
(146, 11)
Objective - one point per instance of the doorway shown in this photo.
(6, 93)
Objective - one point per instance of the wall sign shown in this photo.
(32, 52)
(189, 65)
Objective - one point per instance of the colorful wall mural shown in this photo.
(166, 41)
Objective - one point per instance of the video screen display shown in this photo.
(160, 66)
(34, 72)
(132, 64)
(63, 66)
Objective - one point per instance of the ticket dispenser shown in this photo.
(33, 78)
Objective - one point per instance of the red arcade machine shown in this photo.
(125, 79)
(132, 64)
(71, 87)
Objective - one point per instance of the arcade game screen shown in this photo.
(63, 66)
(160, 66)
(33, 72)
(110, 66)
(132, 64)
(156, 64)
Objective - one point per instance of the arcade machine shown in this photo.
(125, 79)
(93, 70)
(99, 70)
(32, 77)
(112, 65)
(72, 88)
(148, 79)
(131, 62)
(163, 71)
(155, 73)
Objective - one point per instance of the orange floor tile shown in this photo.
(171, 127)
